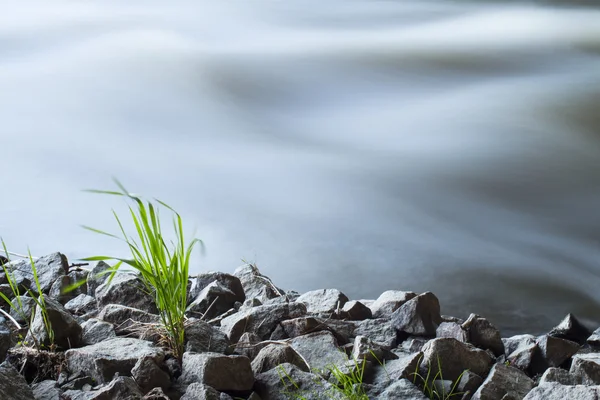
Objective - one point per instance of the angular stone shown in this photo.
(527, 358)
(58, 290)
(122, 387)
(512, 343)
(504, 380)
(556, 391)
(96, 331)
(323, 301)
(123, 317)
(280, 384)
(320, 350)
(212, 301)
(365, 349)
(452, 330)
(119, 355)
(67, 332)
(125, 289)
(198, 391)
(273, 355)
(49, 268)
(249, 345)
(418, 316)
(556, 350)
(390, 301)
(561, 376)
(302, 326)
(228, 281)
(261, 320)
(156, 394)
(454, 357)
(380, 331)
(404, 367)
(586, 367)
(82, 304)
(402, 389)
(483, 334)
(594, 339)
(413, 344)
(46, 390)
(469, 382)
(255, 284)
(97, 276)
(201, 337)
(224, 373)
(78, 277)
(22, 312)
(5, 340)
(571, 329)
(12, 383)
(148, 375)
(355, 311)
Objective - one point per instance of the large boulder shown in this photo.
(355, 311)
(323, 301)
(454, 357)
(261, 320)
(390, 301)
(224, 373)
(49, 268)
(504, 381)
(125, 289)
(556, 351)
(556, 391)
(418, 316)
(288, 381)
(320, 350)
(202, 337)
(67, 332)
(119, 355)
(13, 384)
(483, 334)
(255, 284)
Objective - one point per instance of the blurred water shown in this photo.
(363, 145)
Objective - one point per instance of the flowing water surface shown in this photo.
(450, 146)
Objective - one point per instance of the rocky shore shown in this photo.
(248, 339)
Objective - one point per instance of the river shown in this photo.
(449, 146)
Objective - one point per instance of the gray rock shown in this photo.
(78, 277)
(365, 349)
(512, 343)
(528, 358)
(148, 375)
(320, 350)
(213, 300)
(302, 326)
(586, 367)
(12, 383)
(571, 329)
(561, 376)
(594, 339)
(504, 380)
(402, 389)
(121, 387)
(454, 357)
(483, 334)
(355, 311)
(273, 355)
(127, 290)
(413, 344)
(67, 332)
(402, 368)
(97, 276)
(556, 391)
(198, 391)
(22, 312)
(224, 373)
(323, 301)
(469, 382)
(418, 316)
(156, 394)
(58, 290)
(390, 301)
(452, 330)
(261, 320)
(125, 318)
(380, 331)
(201, 337)
(119, 355)
(46, 390)
(82, 304)
(276, 384)
(49, 269)
(95, 331)
(249, 345)
(255, 284)
(228, 281)
(5, 340)
(556, 350)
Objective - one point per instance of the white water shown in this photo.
(363, 145)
